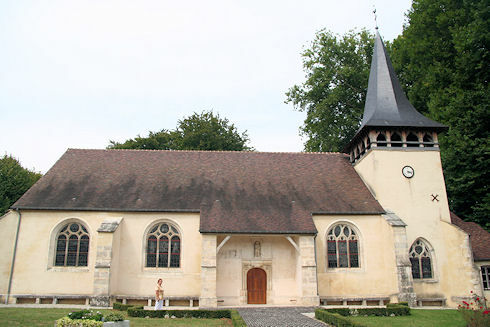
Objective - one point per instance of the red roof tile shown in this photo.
(253, 192)
(479, 238)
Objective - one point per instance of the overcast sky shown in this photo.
(76, 74)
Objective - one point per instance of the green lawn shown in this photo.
(12, 317)
(418, 318)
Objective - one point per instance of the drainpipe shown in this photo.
(13, 256)
(316, 264)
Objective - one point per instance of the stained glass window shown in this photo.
(342, 247)
(72, 245)
(420, 259)
(163, 246)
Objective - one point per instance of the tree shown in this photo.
(442, 59)
(204, 131)
(333, 95)
(14, 181)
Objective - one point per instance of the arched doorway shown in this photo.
(256, 286)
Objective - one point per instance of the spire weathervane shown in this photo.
(375, 17)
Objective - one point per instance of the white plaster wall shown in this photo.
(8, 227)
(276, 251)
(411, 200)
(34, 273)
(377, 274)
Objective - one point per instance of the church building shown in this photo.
(365, 227)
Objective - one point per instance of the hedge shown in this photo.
(125, 307)
(335, 319)
(236, 319)
(212, 314)
(393, 309)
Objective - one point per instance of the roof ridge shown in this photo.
(212, 151)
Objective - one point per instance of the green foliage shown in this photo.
(443, 61)
(335, 319)
(14, 181)
(67, 322)
(113, 316)
(213, 314)
(333, 95)
(204, 131)
(341, 311)
(237, 320)
(86, 315)
(122, 307)
(418, 317)
(391, 309)
(475, 311)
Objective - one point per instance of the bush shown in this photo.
(236, 319)
(335, 319)
(341, 311)
(113, 316)
(399, 310)
(124, 307)
(85, 315)
(212, 314)
(391, 309)
(475, 311)
(67, 322)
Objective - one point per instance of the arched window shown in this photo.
(342, 247)
(72, 244)
(420, 259)
(396, 139)
(412, 140)
(163, 246)
(381, 139)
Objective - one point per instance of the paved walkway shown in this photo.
(279, 317)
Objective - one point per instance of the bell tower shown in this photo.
(396, 149)
(390, 120)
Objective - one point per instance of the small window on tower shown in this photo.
(396, 140)
(381, 139)
(412, 140)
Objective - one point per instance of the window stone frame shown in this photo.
(158, 270)
(53, 245)
(360, 248)
(433, 262)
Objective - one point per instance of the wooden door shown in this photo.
(256, 286)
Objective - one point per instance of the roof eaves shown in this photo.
(258, 232)
(105, 209)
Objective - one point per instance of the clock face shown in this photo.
(408, 171)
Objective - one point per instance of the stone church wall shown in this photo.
(123, 258)
(8, 227)
(421, 203)
(376, 276)
(276, 255)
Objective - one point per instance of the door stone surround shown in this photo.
(266, 265)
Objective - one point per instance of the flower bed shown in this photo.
(89, 318)
(475, 311)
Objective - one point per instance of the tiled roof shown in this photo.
(479, 238)
(235, 192)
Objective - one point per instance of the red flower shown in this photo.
(478, 299)
(465, 302)
(486, 312)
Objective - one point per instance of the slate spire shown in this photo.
(386, 103)
(389, 119)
